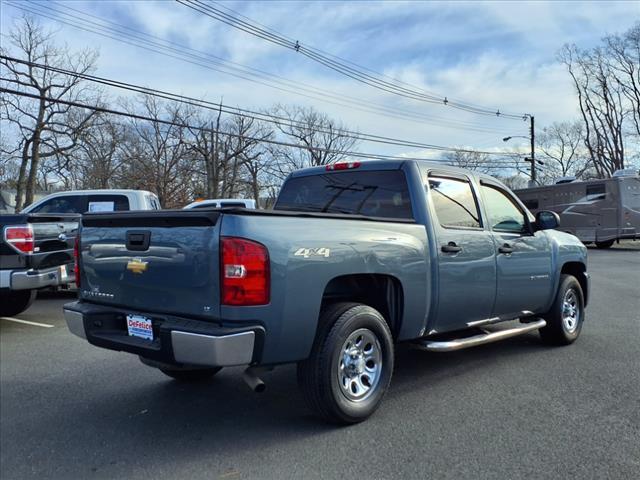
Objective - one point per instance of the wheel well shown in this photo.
(577, 269)
(382, 292)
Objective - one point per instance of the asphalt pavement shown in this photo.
(515, 409)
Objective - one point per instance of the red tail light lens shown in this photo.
(244, 272)
(76, 260)
(20, 238)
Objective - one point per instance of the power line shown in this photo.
(357, 73)
(247, 113)
(228, 134)
(212, 62)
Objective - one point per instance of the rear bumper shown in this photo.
(176, 340)
(34, 279)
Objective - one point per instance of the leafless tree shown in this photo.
(44, 128)
(470, 160)
(561, 147)
(318, 139)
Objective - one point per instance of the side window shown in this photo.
(596, 192)
(107, 203)
(504, 215)
(66, 204)
(454, 202)
(531, 204)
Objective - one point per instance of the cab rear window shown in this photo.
(375, 193)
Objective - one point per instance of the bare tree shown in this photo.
(476, 161)
(319, 140)
(561, 147)
(44, 127)
(607, 81)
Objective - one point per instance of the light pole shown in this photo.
(532, 158)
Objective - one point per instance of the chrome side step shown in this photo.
(489, 337)
(489, 321)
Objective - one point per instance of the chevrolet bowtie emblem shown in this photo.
(136, 265)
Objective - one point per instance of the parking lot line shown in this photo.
(35, 324)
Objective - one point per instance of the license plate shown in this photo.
(139, 326)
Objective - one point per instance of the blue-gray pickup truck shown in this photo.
(353, 259)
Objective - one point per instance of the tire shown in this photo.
(13, 302)
(347, 388)
(565, 319)
(191, 376)
(606, 244)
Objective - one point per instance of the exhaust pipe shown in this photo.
(251, 378)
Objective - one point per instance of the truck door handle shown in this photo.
(451, 247)
(506, 248)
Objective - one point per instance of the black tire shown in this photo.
(325, 380)
(606, 244)
(13, 302)
(190, 376)
(561, 331)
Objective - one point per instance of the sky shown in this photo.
(500, 55)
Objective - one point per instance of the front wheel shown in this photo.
(13, 302)
(350, 366)
(565, 319)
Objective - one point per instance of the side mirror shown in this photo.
(547, 220)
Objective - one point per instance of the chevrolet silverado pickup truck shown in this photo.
(36, 251)
(354, 258)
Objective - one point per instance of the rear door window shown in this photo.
(454, 202)
(107, 203)
(64, 204)
(372, 193)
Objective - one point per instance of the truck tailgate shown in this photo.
(157, 261)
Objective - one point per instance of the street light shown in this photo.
(531, 138)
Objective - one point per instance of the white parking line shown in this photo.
(35, 324)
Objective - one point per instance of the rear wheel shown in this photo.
(350, 366)
(13, 302)
(195, 375)
(606, 244)
(565, 319)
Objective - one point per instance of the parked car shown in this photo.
(223, 202)
(354, 258)
(596, 211)
(81, 201)
(36, 251)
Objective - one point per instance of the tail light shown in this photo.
(76, 260)
(20, 238)
(342, 166)
(245, 272)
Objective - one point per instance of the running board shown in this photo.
(504, 318)
(489, 337)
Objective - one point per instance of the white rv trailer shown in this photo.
(596, 211)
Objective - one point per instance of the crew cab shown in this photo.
(354, 258)
(36, 251)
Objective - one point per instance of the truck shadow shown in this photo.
(188, 422)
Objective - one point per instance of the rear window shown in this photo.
(232, 204)
(376, 194)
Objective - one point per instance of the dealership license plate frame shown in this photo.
(140, 326)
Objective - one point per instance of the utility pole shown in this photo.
(533, 150)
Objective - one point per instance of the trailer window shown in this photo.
(374, 193)
(454, 202)
(596, 192)
(531, 204)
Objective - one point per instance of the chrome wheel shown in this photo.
(570, 311)
(360, 365)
